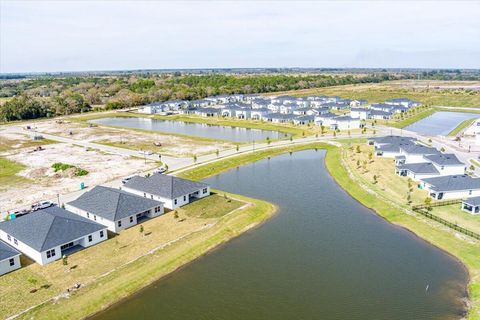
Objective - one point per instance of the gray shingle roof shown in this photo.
(419, 168)
(475, 201)
(48, 228)
(165, 186)
(7, 252)
(419, 149)
(280, 116)
(392, 139)
(453, 183)
(446, 159)
(305, 118)
(113, 204)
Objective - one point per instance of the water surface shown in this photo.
(440, 123)
(202, 130)
(323, 256)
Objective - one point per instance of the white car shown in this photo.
(160, 170)
(145, 153)
(41, 205)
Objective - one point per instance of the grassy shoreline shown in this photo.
(83, 305)
(463, 125)
(129, 278)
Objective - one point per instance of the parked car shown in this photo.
(41, 205)
(160, 170)
(21, 212)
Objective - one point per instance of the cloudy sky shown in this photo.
(37, 36)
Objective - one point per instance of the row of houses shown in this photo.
(443, 175)
(382, 111)
(49, 234)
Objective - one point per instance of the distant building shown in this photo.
(9, 258)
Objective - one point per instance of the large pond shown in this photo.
(440, 123)
(323, 256)
(235, 134)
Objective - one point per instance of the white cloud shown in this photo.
(106, 35)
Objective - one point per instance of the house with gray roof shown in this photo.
(414, 153)
(446, 163)
(279, 117)
(345, 123)
(417, 171)
(452, 187)
(208, 112)
(379, 141)
(391, 150)
(380, 115)
(174, 192)
(259, 113)
(48, 234)
(360, 113)
(9, 258)
(407, 103)
(114, 208)
(303, 120)
(471, 205)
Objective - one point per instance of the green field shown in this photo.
(8, 173)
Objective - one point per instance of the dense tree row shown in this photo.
(49, 96)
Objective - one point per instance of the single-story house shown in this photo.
(259, 114)
(414, 153)
(380, 115)
(358, 103)
(391, 150)
(301, 111)
(9, 258)
(446, 163)
(48, 234)
(382, 107)
(452, 187)
(260, 103)
(288, 108)
(208, 112)
(325, 119)
(302, 120)
(189, 110)
(201, 103)
(360, 113)
(344, 123)
(174, 192)
(114, 208)
(417, 171)
(243, 113)
(471, 205)
(403, 102)
(279, 117)
(379, 141)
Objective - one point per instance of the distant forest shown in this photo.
(47, 96)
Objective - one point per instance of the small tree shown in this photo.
(217, 152)
(375, 179)
(334, 134)
(370, 156)
(374, 132)
(269, 141)
(316, 135)
(33, 282)
(358, 149)
(291, 139)
(358, 163)
(349, 133)
(195, 158)
(141, 228)
(428, 202)
(442, 149)
(303, 133)
(472, 167)
(65, 260)
(238, 147)
(175, 214)
(364, 165)
(322, 129)
(409, 198)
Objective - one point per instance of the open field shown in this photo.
(45, 183)
(166, 144)
(116, 268)
(392, 205)
(12, 141)
(414, 90)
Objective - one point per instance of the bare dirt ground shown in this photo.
(436, 84)
(132, 139)
(44, 183)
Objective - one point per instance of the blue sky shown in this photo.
(38, 36)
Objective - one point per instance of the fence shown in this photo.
(423, 210)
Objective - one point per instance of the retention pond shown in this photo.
(235, 134)
(323, 256)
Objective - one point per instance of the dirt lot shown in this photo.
(46, 183)
(132, 139)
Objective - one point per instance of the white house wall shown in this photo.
(5, 266)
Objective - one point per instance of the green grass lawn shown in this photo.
(8, 173)
(453, 213)
(122, 265)
(214, 206)
(12, 144)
